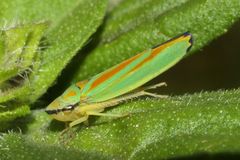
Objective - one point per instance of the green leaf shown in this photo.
(202, 18)
(27, 150)
(14, 41)
(155, 129)
(65, 39)
(18, 56)
(19, 49)
(9, 113)
(28, 11)
(130, 14)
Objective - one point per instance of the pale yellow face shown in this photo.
(64, 107)
(66, 115)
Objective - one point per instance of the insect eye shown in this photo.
(67, 108)
(70, 107)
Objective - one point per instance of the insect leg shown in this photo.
(105, 114)
(142, 91)
(154, 95)
(139, 93)
(87, 122)
(78, 121)
(151, 86)
(96, 109)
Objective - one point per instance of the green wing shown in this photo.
(136, 71)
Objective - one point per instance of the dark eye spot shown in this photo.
(69, 107)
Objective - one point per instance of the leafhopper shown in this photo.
(119, 83)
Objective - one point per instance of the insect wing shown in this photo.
(136, 71)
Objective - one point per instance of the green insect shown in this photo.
(119, 83)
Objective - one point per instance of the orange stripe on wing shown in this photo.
(106, 75)
(70, 94)
(158, 50)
